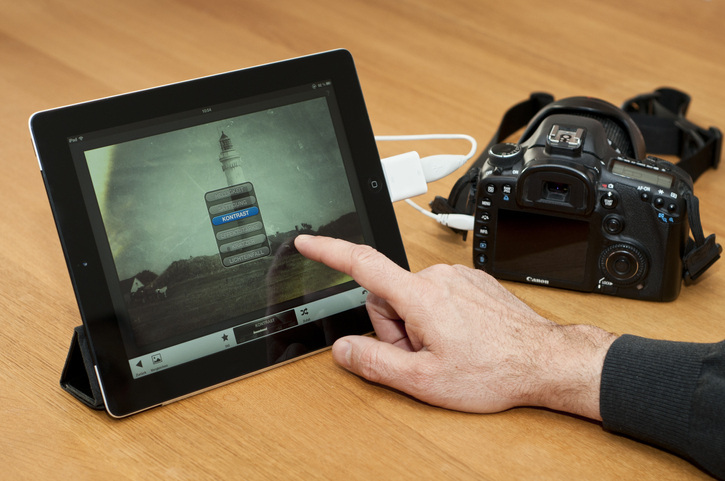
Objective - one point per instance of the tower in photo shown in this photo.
(231, 161)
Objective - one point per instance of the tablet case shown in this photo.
(78, 376)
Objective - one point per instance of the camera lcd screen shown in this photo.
(659, 179)
(541, 246)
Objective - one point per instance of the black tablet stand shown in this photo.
(79, 376)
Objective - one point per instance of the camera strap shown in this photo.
(661, 117)
(701, 252)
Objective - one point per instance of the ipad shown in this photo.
(177, 208)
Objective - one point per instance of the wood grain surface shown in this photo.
(426, 66)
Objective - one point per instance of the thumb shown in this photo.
(376, 361)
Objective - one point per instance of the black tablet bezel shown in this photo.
(51, 130)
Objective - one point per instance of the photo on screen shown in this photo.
(200, 221)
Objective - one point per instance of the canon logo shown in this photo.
(536, 280)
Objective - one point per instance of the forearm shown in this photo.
(669, 394)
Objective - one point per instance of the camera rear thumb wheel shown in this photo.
(623, 264)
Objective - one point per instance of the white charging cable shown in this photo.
(455, 221)
(407, 175)
(437, 166)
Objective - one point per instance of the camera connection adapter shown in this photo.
(408, 175)
(577, 203)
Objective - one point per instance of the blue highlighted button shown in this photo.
(236, 215)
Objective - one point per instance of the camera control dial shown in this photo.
(623, 264)
(504, 155)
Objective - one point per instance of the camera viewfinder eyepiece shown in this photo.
(556, 191)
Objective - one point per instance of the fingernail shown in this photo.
(300, 239)
(344, 348)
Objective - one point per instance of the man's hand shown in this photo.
(454, 337)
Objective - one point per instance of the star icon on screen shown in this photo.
(225, 337)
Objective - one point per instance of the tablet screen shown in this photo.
(177, 208)
(198, 213)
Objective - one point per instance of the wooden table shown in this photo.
(426, 66)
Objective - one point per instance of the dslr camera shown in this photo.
(578, 204)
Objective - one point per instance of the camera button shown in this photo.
(609, 200)
(506, 188)
(490, 189)
(659, 202)
(672, 207)
(645, 196)
(613, 225)
(481, 245)
(485, 202)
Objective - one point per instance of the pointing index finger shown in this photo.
(368, 267)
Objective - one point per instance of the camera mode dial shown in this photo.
(623, 264)
(504, 155)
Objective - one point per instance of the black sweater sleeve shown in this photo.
(670, 394)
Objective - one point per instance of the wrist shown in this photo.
(570, 371)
